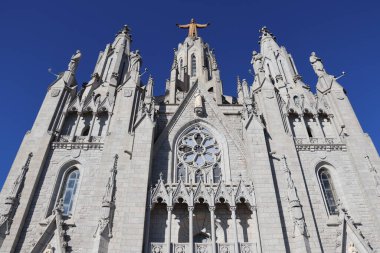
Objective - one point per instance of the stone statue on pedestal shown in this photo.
(73, 64)
(317, 64)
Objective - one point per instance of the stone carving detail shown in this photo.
(135, 61)
(352, 248)
(375, 175)
(108, 203)
(49, 249)
(317, 64)
(55, 92)
(198, 155)
(294, 203)
(158, 248)
(12, 200)
(198, 104)
(74, 61)
(61, 232)
(233, 193)
(257, 62)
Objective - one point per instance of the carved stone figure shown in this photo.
(294, 203)
(317, 64)
(352, 248)
(49, 249)
(192, 26)
(73, 65)
(257, 62)
(198, 103)
(135, 61)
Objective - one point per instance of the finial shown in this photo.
(124, 30)
(161, 176)
(266, 33)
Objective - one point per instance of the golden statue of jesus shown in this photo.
(193, 28)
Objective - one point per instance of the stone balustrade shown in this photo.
(244, 247)
(318, 144)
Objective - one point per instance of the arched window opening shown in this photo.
(296, 100)
(68, 194)
(198, 176)
(69, 123)
(181, 172)
(309, 131)
(328, 191)
(97, 98)
(198, 156)
(217, 173)
(85, 131)
(193, 65)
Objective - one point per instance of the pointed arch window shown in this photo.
(197, 155)
(328, 191)
(193, 65)
(69, 192)
(217, 173)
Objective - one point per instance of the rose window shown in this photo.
(198, 156)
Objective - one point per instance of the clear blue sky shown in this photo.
(36, 35)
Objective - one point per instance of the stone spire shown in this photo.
(267, 40)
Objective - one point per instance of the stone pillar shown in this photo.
(72, 136)
(91, 127)
(191, 243)
(212, 218)
(320, 130)
(109, 122)
(170, 209)
(233, 216)
(255, 218)
(304, 124)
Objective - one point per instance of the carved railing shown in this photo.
(316, 144)
(244, 247)
(64, 138)
(226, 248)
(157, 247)
(181, 248)
(80, 142)
(203, 248)
(248, 247)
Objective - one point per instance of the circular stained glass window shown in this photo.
(198, 148)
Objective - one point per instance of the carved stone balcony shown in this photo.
(319, 144)
(79, 142)
(244, 247)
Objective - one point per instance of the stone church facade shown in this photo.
(112, 167)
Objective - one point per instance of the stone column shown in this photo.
(170, 209)
(255, 218)
(320, 130)
(109, 122)
(233, 216)
(72, 136)
(304, 124)
(212, 218)
(191, 243)
(91, 127)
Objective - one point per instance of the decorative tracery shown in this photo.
(198, 156)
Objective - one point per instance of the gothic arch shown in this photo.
(332, 171)
(221, 139)
(64, 169)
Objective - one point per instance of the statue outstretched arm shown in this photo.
(183, 26)
(203, 25)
